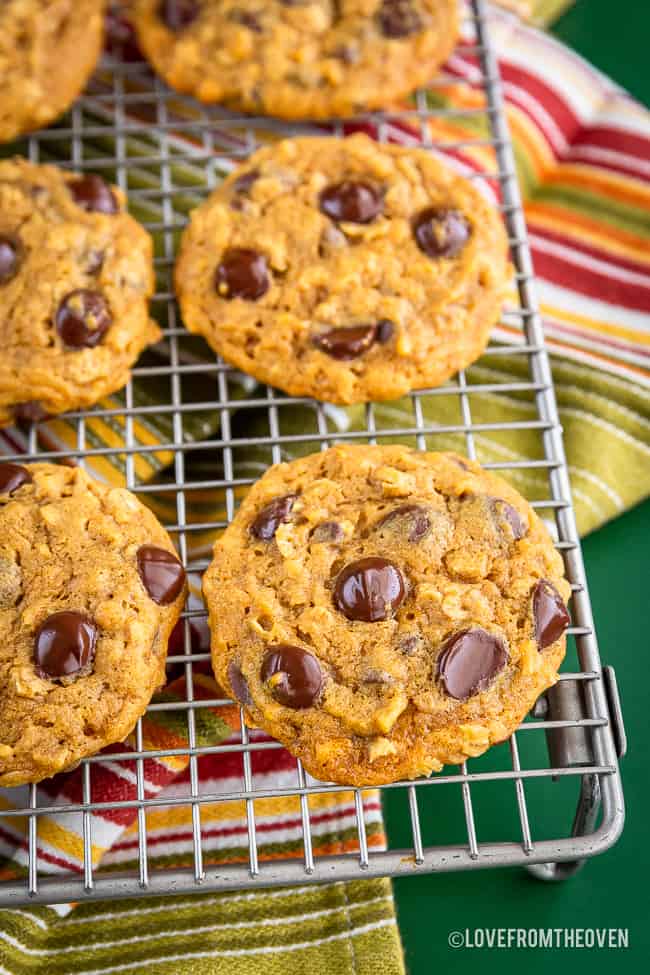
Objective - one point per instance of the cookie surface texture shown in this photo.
(343, 269)
(90, 589)
(48, 50)
(76, 274)
(297, 58)
(384, 612)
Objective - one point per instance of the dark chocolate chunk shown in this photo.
(242, 273)
(10, 254)
(244, 182)
(440, 232)
(351, 201)
(369, 590)
(346, 343)
(247, 19)
(327, 531)
(549, 613)
(411, 520)
(293, 675)
(91, 193)
(511, 516)
(161, 573)
(13, 476)
(271, 516)
(398, 18)
(83, 318)
(239, 684)
(469, 661)
(178, 14)
(64, 644)
(385, 330)
(30, 412)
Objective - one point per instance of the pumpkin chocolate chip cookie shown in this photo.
(384, 612)
(90, 589)
(297, 58)
(76, 273)
(344, 269)
(48, 50)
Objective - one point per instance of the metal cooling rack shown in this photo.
(580, 717)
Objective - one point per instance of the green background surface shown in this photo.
(612, 889)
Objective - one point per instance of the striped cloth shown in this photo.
(582, 150)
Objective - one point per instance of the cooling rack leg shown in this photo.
(583, 824)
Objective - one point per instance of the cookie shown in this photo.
(90, 589)
(344, 269)
(297, 58)
(76, 273)
(48, 50)
(384, 612)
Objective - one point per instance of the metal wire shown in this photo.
(216, 140)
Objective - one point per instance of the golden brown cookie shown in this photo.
(297, 58)
(76, 274)
(90, 589)
(384, 612)
(344, 269)
(48, 50)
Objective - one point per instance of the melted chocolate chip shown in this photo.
(12, 476)
(549, 613)
(30, 412)
(469, 661)
(351, 201)
(239, 684)
(385, 330)
(398, 18)
(327, 531)
(83, 318)
(161, 573)
(91, 193)
(246, 19)
(293, 676)
(9, 258)
(64, 644)
(178, 14)
(346, 343)
(369, 590)
(411, 520)
(242, 273)
(440, 232)
(244, 182)
(517, 525)
(271, 516)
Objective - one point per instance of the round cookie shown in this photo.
(384, 612)
(76, 273)
(297, 58)
(344, 269)
(90, 589)
(48, 50)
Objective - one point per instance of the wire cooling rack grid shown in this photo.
(580, 717)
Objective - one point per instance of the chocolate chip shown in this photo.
(242, 273)
(351, 201)
(239, 684)
(346, 343)
(13, 476)
(30, 412)
(511, 516)
(398, 18)
(346, 53)
(246, 19)
(369, 590)
(9, 258)
(161, 572)
(178, 14)
(293, 675)
(549, 613)
(440, 232)
(120, 38)
(83, 318)
(385, 330)
(244, 182)
(469, 661)
(64, 644)
(271, 516)
(410, 520)
(91, 193)
(328, 531)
